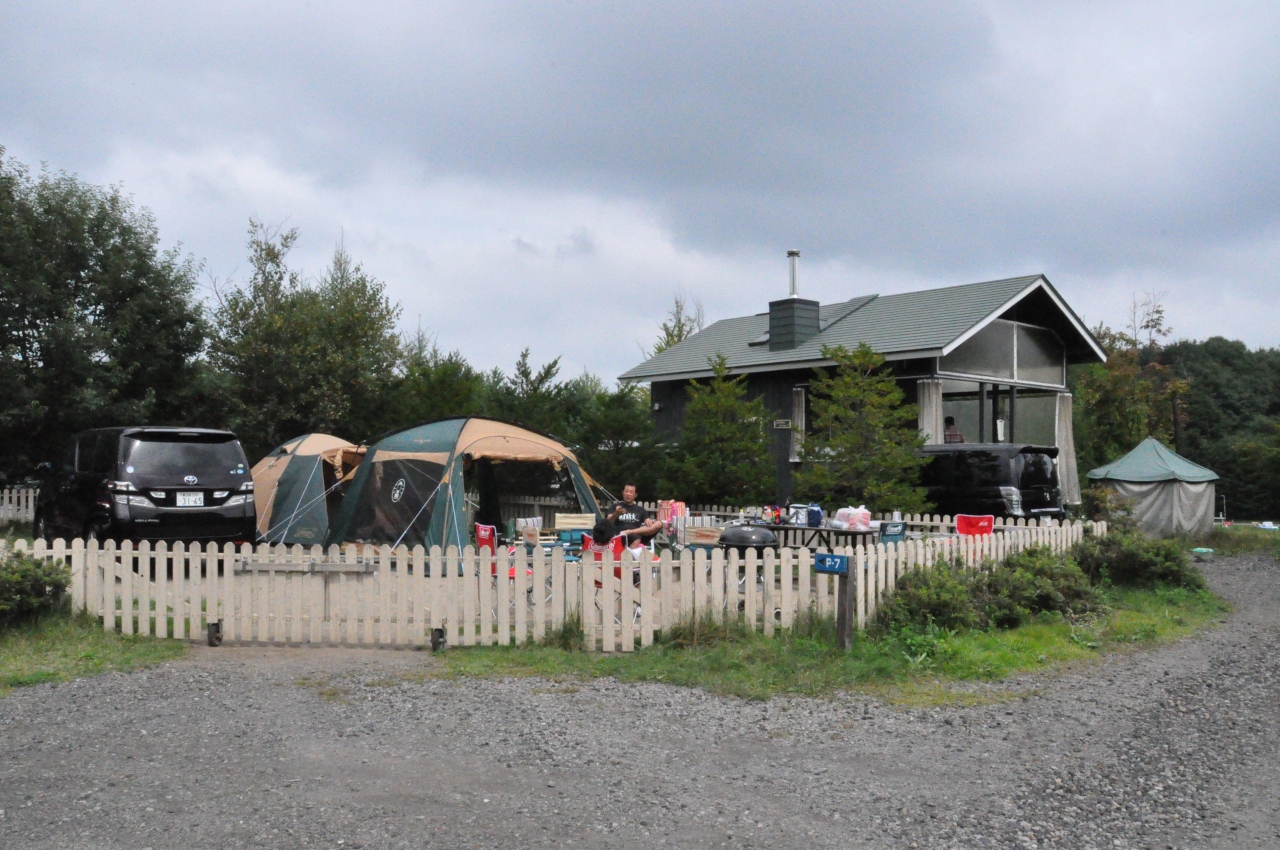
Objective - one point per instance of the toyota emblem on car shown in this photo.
(190, 479)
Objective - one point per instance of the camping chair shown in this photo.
(974, 525)
(893, 532)
(486, 535)
(617, 546)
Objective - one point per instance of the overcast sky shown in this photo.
(550, 174)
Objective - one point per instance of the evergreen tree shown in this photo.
(723, 453)
(432, 384)
(862, 447)
(616, 442)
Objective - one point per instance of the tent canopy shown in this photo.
(1151, 461)
(296, 487)
(1169, 494)
(411, 486)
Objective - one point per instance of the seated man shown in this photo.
(633, 521)
(952, 434)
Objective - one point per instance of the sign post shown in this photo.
(838, 565)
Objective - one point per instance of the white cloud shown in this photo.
(550, 176)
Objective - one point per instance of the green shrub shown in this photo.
(940, 597)
(1030, 583)
(949, 597)
(1102, 504)
(1128, 558)
(29, 587)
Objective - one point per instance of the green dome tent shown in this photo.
(295, 487)
(1169, 494)
(411, 486)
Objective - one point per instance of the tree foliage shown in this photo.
(1232, 412)
(1120, 403)
(862, 447)
(431, 384)
(616, 441)
(302, 357)
(684, 320)
(723, 452)
(97, 324)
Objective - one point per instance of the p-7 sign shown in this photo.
(834, 564)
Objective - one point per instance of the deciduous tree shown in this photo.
(303, 357)
(98, 325)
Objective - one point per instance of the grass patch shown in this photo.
(907, 668)
(326, 688)
(1241, 539)
(12, 531)
(57, 647)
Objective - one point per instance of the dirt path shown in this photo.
(1179, 747)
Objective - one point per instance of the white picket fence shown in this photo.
(375, 596)
(18, 504)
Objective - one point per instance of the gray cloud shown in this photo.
(1114, 146)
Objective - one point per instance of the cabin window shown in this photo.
(1040, 356)
(989, 352)
(1010, 351)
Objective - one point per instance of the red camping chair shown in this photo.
(974, 525)
(617, 546)
(487, 538)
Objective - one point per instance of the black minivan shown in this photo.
(1009, 480)
(149, 483)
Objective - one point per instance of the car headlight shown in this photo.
(235, 500)
(247, 486)
(220, 494)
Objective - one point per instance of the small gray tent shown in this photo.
(1170, 495)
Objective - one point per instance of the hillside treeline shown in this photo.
(1217, 402)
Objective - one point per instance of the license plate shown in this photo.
(191, 500)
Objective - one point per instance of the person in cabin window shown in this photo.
(952, 434)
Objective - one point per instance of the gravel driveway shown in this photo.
(1172, 748)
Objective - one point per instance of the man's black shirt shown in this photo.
(632, 516)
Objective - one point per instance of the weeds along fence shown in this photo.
(18, 504)
(375, 596)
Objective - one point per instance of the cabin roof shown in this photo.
(927, 323)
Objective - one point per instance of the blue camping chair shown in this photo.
(893, 532)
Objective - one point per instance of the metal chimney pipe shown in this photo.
(794, 258)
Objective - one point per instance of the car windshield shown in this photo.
(1036, 470)
(201, 455)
